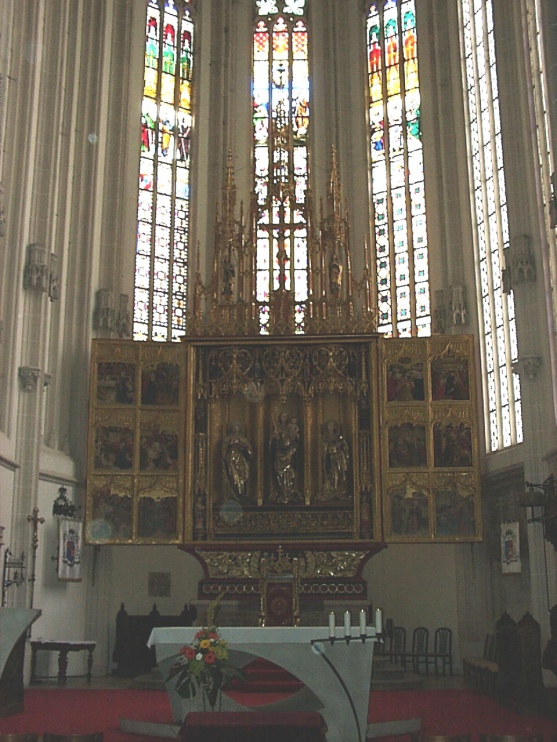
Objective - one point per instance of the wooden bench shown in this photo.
(510, 669)
(63, 648)
(480, 673)
(131, 653)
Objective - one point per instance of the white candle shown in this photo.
(331, 625)
(379, 620)
(362, 622)
(347, 623)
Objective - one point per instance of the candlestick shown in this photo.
(347, 622)
(379, 620)
(331, 625)
(362, 622)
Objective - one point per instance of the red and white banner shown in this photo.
(510, 549)
(70, 531)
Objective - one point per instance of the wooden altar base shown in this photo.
(250, 726)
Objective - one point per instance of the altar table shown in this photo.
(62, 647)
(14, 624)
(336, 675)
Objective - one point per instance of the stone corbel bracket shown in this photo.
(35, 276)
(528, 367)
(29, 377)
(458, 309)
(520, 265)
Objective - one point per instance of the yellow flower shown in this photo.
(204, 644)
(221, 653)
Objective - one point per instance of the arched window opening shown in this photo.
(490, 217)
(397, 170)
(161, 262)
(280, 129)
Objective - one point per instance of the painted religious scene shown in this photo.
(429, 442)
(135, 488)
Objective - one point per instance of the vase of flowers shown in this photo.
(204, 666)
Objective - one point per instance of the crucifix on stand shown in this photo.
(34, 518)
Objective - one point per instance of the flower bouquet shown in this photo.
(204, 665)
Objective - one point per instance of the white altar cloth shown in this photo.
(337, 676)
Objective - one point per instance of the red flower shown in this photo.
(210, 657)
(187, 652)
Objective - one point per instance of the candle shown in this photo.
(331, 625)
(379, 620)
(362, 622)
(347, 623)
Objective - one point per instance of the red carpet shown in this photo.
(67, 711)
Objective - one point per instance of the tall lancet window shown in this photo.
(161, 262)
(497, 311)
(397, 170)
(280, 131)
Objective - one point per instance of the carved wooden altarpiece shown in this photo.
(252, 442)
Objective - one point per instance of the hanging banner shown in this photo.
(69, 549)
(510, 549)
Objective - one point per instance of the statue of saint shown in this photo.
(228, 273)
(335, 457)
(237, 455)
(284, 454)
(335, 276)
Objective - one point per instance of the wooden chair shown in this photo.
(420, 643)
(442, 655)
(397, 646)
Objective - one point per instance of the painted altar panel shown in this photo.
(430, 455)
(136, 443)
(304, 440)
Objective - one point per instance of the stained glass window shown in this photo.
(280, 130)
(161, 263)
(397, 170)
(498, 326)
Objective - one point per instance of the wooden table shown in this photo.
(62, 648)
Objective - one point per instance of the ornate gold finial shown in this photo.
(230, 303)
